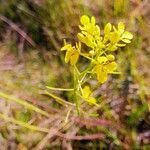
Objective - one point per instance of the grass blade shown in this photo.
(24, 103)
(23, 124)
(58, 99)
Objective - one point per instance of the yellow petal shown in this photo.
(81, 37)
(97, 28)
(86, 92)
(111, 66)
(101, 72)
(110, 57)
(121, 45)
(112, 47)
(107, 28)
(127, 35)
(78, 46)
(102, 59)
(66, 47)
(74, 57)
(126, 40)
(114, 37)
(102, 76)
(86, 39)
(84, 20)
(68, 55)
(96, 68)
(91, 100)
(93, 20)
(121, 27)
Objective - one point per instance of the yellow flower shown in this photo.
(72, 53)
(117, 35)
(90, 32)
(103, 67)
(125, 35)
(86, 94)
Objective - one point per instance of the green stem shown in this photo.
(58, 89)
(83, 74)
(59, 100)
(76, 89)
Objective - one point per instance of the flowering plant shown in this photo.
(101, 60)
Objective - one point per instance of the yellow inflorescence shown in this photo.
(100, 46)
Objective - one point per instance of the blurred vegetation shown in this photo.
(31, 34)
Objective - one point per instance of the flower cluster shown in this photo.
(72, 53)
(103, 66)
(100, 46)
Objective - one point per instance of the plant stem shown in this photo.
(76, 89)
(59, 100)
(83, 74)
(58, 89)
